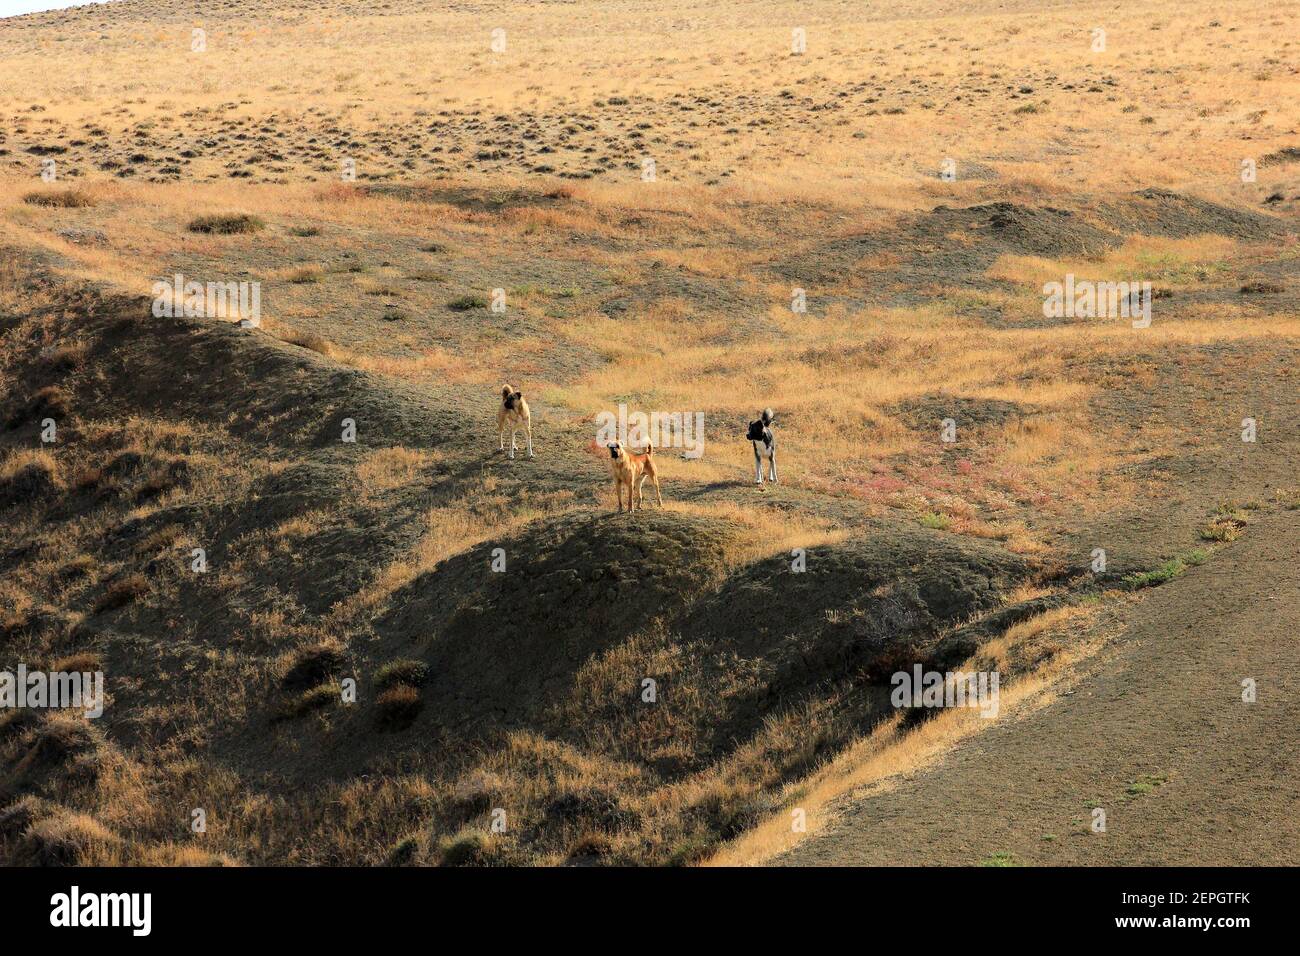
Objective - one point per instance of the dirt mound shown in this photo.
(59, 751)
(1158, 212)
(262, 389)
(29, 483)
(506, 645)
(861, 611)
(498, 642)
(1173, 749)
(1026, 230)
(925, 243)
(928, 411)
(1288, 154)
(468, 198)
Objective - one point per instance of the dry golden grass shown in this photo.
(451, 529)
(1162, 261)
(39, 460)
(764, 531)
(1202, 83)
(386, 469)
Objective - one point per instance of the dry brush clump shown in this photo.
(27, 477)
(69, 839)
(226, 224)
(60, 199)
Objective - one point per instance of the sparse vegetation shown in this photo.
(404, 671)
(226, 224)
(121, 592)
(1158, 575)
(466, 302)
(306, 275)
(397, 707)
(315, 698)
(312, 666)
(60, 199)
(1144, 785)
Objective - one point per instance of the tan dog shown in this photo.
(514, 410)
(632, 470)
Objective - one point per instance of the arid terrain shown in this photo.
(338, 625)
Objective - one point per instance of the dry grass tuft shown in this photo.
(397, 707)
(70, 839)
(60, 199)
(29, 476)
(227, 224)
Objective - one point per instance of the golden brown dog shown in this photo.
(632, 469)
(514, 410)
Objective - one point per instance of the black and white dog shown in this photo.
(764, 441)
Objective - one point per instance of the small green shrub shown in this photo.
(317, 698)
(467, 302)
(1159, 575)
(402, 671)
(467, 848)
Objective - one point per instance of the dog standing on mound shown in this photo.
(514, 411)
(632, 470)
(764, 441)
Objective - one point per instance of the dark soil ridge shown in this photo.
(263, 390)
(502, 649)
(585, 577)
(1016, 228)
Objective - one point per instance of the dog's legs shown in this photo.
(640, 492)
(758, 467)
(528, 426)
(618, 493)
(501, 435)
(773, 462)
(658, 497)
(513, 432)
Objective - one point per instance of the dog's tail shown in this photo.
(649, 449)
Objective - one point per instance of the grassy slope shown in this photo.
(367, 560)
